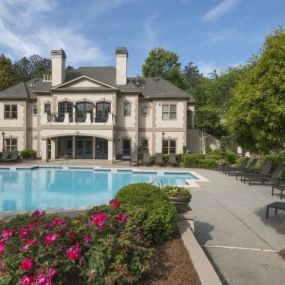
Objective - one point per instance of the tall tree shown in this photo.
(257, 113)
(192, 77)
(33, 66)
(7, 77)
(164, 64)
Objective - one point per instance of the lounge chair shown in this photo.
(172, 159)
(232, 169)
(248, 169)
(271, 179)
(264, 171)
(276, 206)
(5, 155)
(279, 186)
(134, 159)
(159, 159)
(146, 159)
(14, 157)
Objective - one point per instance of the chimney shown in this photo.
(121, 65)
(57, 66)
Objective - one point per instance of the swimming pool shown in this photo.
(49, 188)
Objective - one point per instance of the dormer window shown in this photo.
(127, 109)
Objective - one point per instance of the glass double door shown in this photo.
(84, 147)
(101, 148)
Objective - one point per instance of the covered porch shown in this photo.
(77, 147)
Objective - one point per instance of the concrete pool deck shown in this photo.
(233, 231)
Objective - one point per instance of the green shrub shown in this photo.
(149, 208)
(28, 153)
(231, 157)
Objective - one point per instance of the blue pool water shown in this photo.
(47, 188)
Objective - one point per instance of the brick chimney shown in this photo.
(57, 66)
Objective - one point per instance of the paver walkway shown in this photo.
(233, 231)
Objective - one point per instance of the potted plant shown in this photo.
(180, 197)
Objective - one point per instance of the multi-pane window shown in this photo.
(168, 112)
(65, 107)
(102, 111)
(47, 108)
(144, 144)
(127, 109)
(168, 146)
(10, 112)
(11, 144)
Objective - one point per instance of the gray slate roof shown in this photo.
(146, 86)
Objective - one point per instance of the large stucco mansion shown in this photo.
(97, 113)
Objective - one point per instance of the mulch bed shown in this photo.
(282, 253)
(172, 266)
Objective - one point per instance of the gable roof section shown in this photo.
(93, 81)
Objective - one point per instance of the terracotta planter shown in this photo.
(181, 203)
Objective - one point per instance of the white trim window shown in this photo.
(11, 144)
(127, 109)
(47, 108)
(10, 112)
(168, 146)
(169, 112)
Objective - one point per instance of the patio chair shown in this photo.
(279, 186)
(159, 159)
(5, 155)
(146, 159)
(271, 179)
(134, 159)
(265, 170)
(15, 157)
(248, 169)
(172, 159)
(232, 169)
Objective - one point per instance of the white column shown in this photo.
(52, 150)
(44, 149)
(110, 150)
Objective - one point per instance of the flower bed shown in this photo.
(103, 246)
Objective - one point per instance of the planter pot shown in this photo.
(181, 203)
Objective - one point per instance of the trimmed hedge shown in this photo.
(149, 207)
(28, 153)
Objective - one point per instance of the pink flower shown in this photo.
(74, 252)
(115, 203)
(50, 238)
(72, 235)
(27, 264)
(87, 239)
(51, 272)
(32, 225)
(122, 218)
(28, 280)
(41, 279)
(23, 233)
(6, 234)
(99, 219)
(28, 244)
(2, 246)
(58, 222)
(38, 213)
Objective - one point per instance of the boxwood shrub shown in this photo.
(149, 207)
(28, 153)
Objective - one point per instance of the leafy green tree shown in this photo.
(257, 113)
(31, 67)
(7, 77)
(192, 77)
(165, 64)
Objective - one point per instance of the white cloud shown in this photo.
(27, 27)
(219, 10)
(207, 67)
(149, 33)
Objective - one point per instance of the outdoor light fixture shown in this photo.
(3, 135)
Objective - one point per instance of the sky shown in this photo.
(214, 34)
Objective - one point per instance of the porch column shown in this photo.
(52, 149)
(94, 147)
(110, 150)
(73, 147)
(44, 149)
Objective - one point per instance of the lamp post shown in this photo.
(163, 134)
(3, 135)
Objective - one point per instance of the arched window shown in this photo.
(82, 108)
(65, 107)
(102, 111)
(127, 109)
